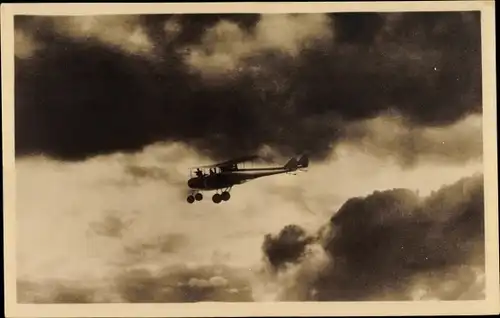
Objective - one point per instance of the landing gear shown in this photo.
(194, 197)
(216, 198)
(224, 196)
(198, 196)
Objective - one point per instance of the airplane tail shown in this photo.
(291, 165)
(303, 161)
(294, 164)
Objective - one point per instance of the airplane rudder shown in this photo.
(304, 161)
(291, 164)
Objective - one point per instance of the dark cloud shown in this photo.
(379, 244)
(360, 27)
(94, 105)
(414, 67)
(81, 96)
(288, 246)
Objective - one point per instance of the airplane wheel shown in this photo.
(198, 196)
(216, 198)
(225, 196)
(190, 199)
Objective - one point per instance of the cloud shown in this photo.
(212, 282)
(182, 284)
(396, 245)
(111, 226)
(288, 97)
(64, 292)
(175, 283)
(25, 45)
(458, 283)
(172, 28)
(96, 224)
(123, 32)
(225, 46)
(289, 245)
(392, 137)
(93, 221)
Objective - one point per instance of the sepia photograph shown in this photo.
(273, 155)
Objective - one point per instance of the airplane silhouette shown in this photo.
(221, 177)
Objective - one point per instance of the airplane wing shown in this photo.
(231, 162)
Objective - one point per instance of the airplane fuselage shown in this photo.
(225, 180)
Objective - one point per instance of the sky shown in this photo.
(111, 111)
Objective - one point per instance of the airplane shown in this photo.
(221, 177)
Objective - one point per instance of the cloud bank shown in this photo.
(230, 85)
(122, 234)
(391, 136)
(384, 246)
